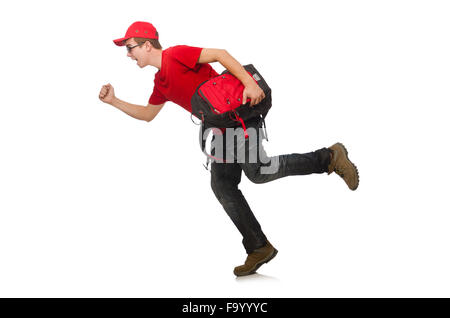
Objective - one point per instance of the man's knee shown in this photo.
(255, 175)
(227, 195)
(262, 172)
(222, 189)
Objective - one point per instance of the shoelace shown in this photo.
(339, 172)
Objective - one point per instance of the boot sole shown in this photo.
(354, 166)
(258, 265)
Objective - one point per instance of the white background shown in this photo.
(95, 203)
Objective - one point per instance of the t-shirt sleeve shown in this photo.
(157, 98)
(187, 55)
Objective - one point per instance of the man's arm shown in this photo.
(252, 90)
(147, 113)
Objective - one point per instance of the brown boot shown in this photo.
(256, 259)
(343, 166)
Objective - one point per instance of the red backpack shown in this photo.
(217, 102)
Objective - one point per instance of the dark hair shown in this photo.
(154, 42)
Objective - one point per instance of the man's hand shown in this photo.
(107, 94)
(254, 92)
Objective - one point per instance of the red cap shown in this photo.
(138, 30)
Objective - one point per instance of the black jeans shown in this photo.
(225, 177)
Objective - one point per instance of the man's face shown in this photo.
(137, 53)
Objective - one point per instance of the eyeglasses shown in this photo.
(129, 48)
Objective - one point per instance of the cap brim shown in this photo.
(120, 42)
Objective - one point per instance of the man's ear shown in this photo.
(148, 46)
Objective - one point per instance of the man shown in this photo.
(181, 70)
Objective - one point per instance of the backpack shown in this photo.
(217, 102)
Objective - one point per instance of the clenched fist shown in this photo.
(107, 94)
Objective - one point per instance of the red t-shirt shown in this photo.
(179, 76)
